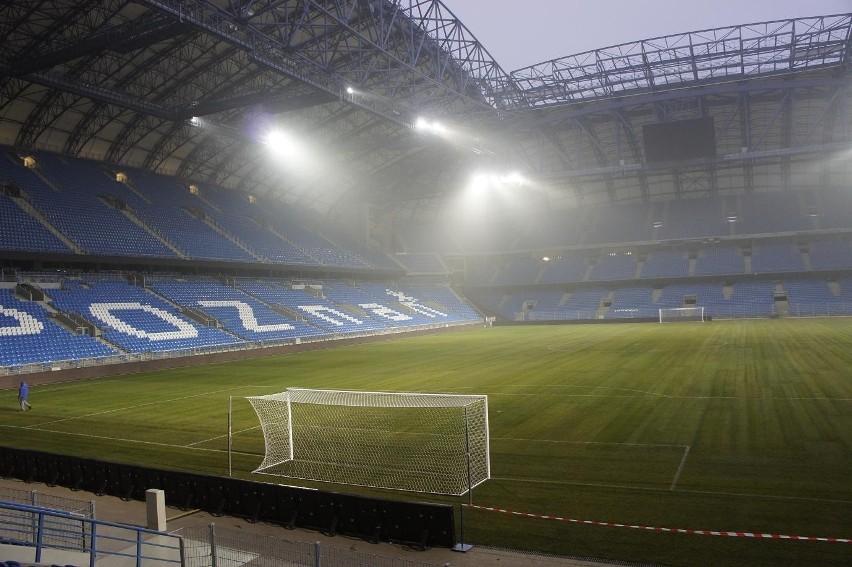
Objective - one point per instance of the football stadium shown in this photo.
(327, 266)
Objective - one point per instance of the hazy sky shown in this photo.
(519, 33)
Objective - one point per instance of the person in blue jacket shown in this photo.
(23, 395)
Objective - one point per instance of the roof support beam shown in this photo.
(751, 87)
(148, 28)
(269, 101)
(275, 55)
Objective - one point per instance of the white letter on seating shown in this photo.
(411, 303)
(423, 310)
(385, 312)
(247, 317)
(319, 311)
(29, 325)
(103, 312)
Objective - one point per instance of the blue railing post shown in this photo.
(39, 536)
(33, 517)
(213, 552)
(138, 549)
(93, 550)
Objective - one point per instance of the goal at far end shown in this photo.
(675, 314)
(433, 443)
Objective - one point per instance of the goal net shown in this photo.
(434, 443)
(674, 314)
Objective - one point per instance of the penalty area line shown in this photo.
(653, 489)
(123, 439)
(616, 443)
(680, 468)
(221, 436)
(137, 406)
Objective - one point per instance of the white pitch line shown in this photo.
(588, 442)
(158, 402)
(125, 440)
(221, 436)
(680, 468)
(631, 390)
(820, 398)
(637, 395)
(107, 438)
(652, 489)
(646, 392)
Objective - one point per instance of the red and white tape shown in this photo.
(658, 529)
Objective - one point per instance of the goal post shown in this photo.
(675, 314)
(432, 443)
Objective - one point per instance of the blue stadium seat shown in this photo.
(613, 267)
(666, 264)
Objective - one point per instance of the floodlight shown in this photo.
(514, 178)
(281, 143)
(275, 139)
(430, 126)
(499, 180)
(350, 90)
(480, 180)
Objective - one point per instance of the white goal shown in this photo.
(434, 443)
(674, 314)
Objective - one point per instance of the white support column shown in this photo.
(155, 503)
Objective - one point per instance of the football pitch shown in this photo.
(726, 426)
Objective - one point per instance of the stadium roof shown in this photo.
(192, 87)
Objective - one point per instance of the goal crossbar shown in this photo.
(378, 399)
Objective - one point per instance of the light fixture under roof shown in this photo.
(430, 126)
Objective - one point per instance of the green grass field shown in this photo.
(730, 425)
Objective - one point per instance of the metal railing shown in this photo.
(43, 529)
(84, 508)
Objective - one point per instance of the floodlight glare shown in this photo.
(480, 180)
(499, 180)
(429, 126)
(350, 90)
(281, 143)
(275, 139)
(514, 178)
